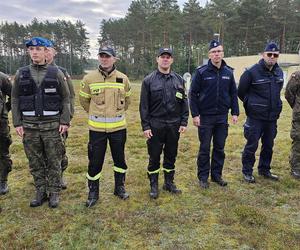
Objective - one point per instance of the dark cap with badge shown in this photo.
(213, 44)
(37, 41)
(271, 47)
(165, 51)
(107, 50)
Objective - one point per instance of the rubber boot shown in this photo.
(3, 187)
(40, 198)
(53, 199)
(153, 185)
(93, 196)
(120, 186)
(169, 183)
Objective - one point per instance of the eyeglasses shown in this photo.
(272, 54)
(215, 51)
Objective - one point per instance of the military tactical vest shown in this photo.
(42, 100)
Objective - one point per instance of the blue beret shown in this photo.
(213, 44)
(107, 50)
(37, 41)
(165, 51)
(50, 43)
(271, 47)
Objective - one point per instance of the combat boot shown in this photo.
(169, 183)
(40, 198)
(3, 187)
(53, 199)
(153, 185)
(120, 186)
(93, 193)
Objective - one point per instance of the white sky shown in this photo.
(90, 12)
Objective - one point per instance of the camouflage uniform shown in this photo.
(292, 95)
(41, 133)
(5, 138)
(64, 162)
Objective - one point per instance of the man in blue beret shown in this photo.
(50, 54)
(213, 92)
(259, 90)
(41, 113)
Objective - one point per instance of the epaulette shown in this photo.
(202, 68)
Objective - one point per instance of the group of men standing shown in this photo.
(42, 100)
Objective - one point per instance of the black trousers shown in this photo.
(97, 148)
(163, 139)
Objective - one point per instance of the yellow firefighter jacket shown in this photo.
(105, 97)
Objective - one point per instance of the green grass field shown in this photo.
(265, 215)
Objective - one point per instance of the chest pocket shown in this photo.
(98, 96)
(156, 93)
(120, 98)
(26, 88)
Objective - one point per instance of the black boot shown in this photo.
(93, 193)
(40, 198)
(153, 185)
(53, 199)
(120, 186)
(3, 187)
(169, 183)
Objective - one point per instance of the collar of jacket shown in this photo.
(104, 73)
(213, 67)
(160, 74)
(38, 66)
(263, 65)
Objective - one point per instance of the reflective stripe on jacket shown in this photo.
(105, 97)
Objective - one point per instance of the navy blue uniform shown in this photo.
(213, 92)
(259, 89)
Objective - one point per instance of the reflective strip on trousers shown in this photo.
(96, 177)
(154, 172)
(119, 170)
(168, 170)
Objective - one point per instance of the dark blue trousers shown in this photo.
(253, 131)
(212, 128)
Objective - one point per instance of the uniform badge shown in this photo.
(179, 95)
(82, 84)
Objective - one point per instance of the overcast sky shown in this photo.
(90, 12)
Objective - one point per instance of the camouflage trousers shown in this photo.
(44, 150)
(65, 160)
(5, 142)
(295, 149)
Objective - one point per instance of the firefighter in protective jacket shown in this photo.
(104, 94)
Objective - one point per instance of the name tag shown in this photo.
(226, 77)
(179, 95)
(208, 78)
(52, 90)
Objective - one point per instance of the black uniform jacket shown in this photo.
(163, 100)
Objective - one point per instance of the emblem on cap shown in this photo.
(34, 42)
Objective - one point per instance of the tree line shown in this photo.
(70, 39)
(243, 26)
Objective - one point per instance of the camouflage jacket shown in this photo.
(5, 94)
(292, 94)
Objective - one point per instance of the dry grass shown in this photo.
(241, 216)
